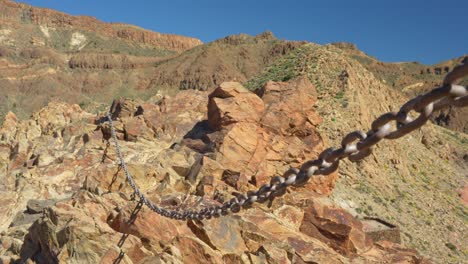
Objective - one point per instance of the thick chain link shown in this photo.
(355, 146)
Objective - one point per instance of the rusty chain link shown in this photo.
(355, 146)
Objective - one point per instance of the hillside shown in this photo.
(25, 25)
(55, 56)
(236, 57)
(413, 181)
(65, 200)
(47, 55)
(412, 78)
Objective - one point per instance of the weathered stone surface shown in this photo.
(57, 115)
(72, 202)
(37, 206)
(8, 129)
(24, 219)
(290, 108)
(380, 230)
(231, 103)
(223, 234)
(176, 117)
(336, 227)
(258, 140)
(122, 108)
(463, 193)
(136, 128)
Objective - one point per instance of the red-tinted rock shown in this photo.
(231, 103)
(336, 227)
(261, 140)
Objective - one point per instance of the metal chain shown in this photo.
(355, 146)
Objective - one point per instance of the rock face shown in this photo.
(257, 137)
(64, 199)
(336, 227)
(54, 19)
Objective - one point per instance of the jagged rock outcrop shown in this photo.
(261, 136)
(65, 199)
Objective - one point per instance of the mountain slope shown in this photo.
(413, 181)
(412, 78)
(47, 55)
(54, 56)
(65, 199)
(237, 57)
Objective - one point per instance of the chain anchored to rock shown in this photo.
(355, 146)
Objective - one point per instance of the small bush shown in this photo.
(451, 246)
(5, 52)
(42, 55)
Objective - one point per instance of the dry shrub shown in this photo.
(100, 61)
(41, 55)
(5, 52)
(108, 61)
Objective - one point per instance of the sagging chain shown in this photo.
(355, 146)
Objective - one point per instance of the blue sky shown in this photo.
(399, 30)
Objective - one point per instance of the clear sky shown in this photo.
(427, 31)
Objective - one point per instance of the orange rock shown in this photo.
(336, 227)
(195, 251)
(8, 128)
(135, 128)
(61, 154)
(261, 139)
(231, 103)
(223, 234)
(289, 107)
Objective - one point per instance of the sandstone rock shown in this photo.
(335, 227)
(290, 109)
(259, 143)
(380, 230)
(58, 115)
(223, 234)
(136, 128)
(8, 128)
(70, 234)
(195, 251)
(122, 108)
(231, 103)
(37, 206)
(24, 219)
(177, 116)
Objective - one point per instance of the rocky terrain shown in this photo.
(401, 180)
(200, 123)
(58, 57)
(413, 78)
(64, 198)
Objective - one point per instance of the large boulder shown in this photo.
(260, 137)
(336, 227)
(232, 103)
